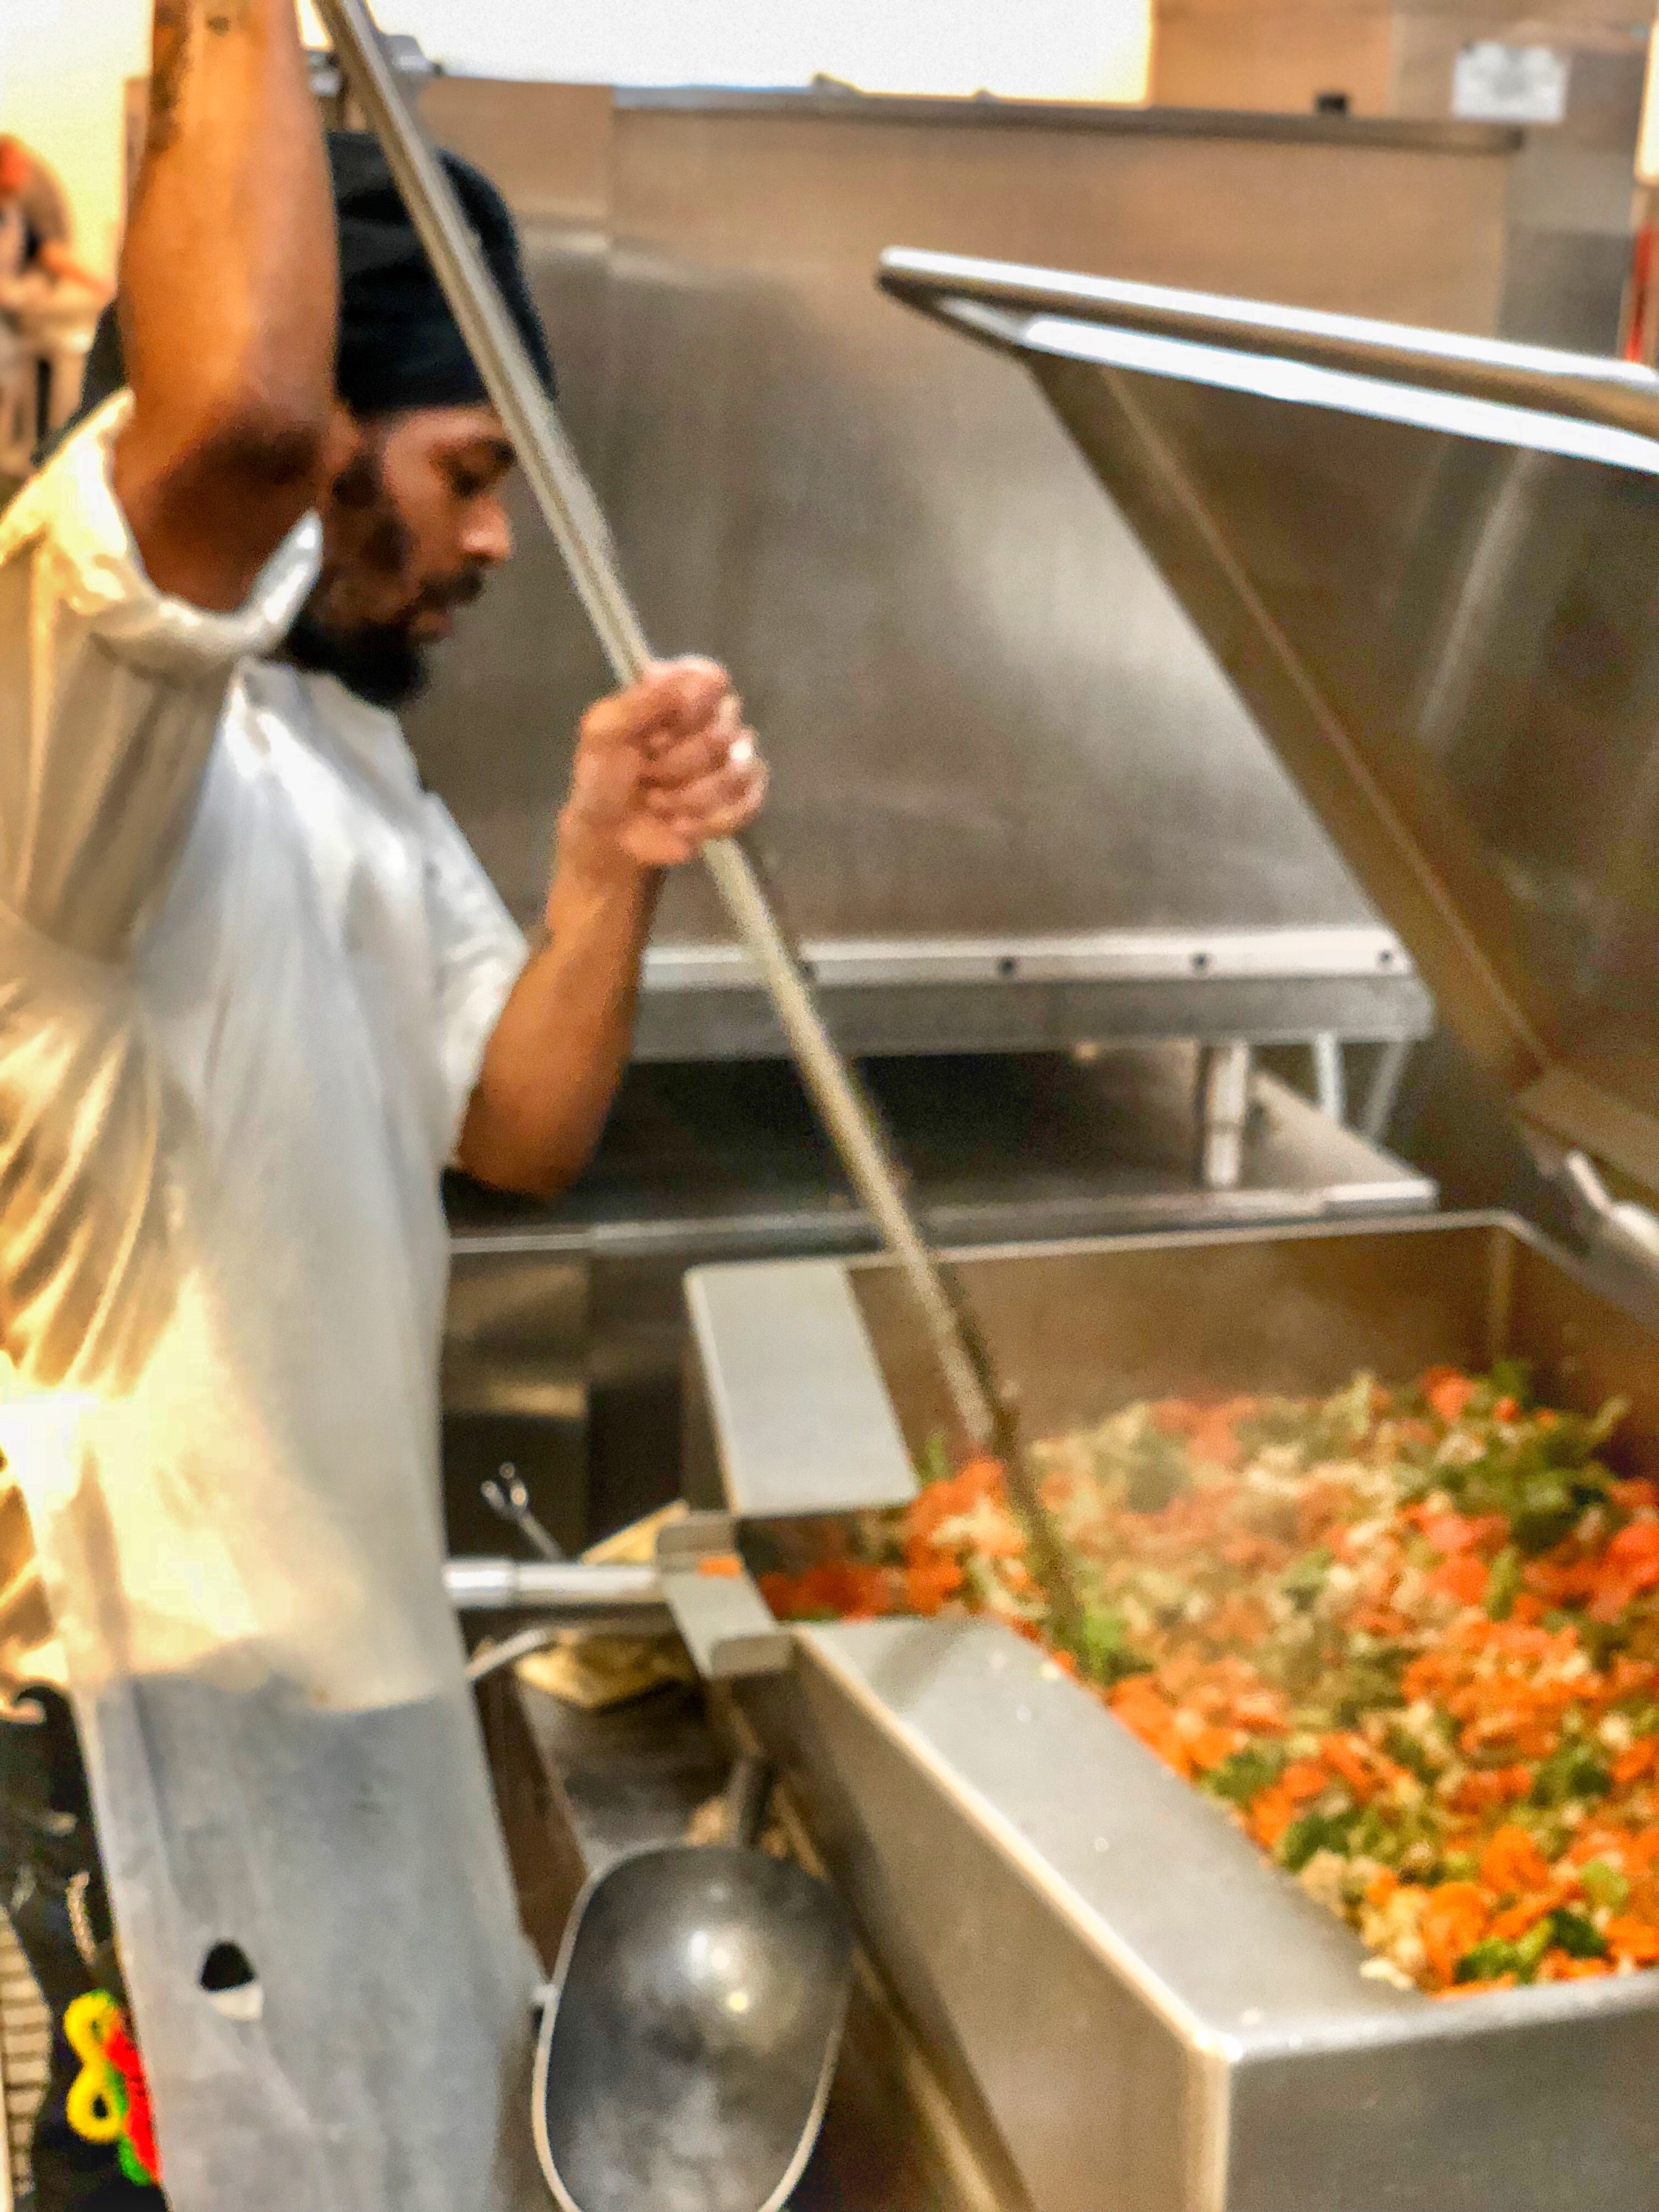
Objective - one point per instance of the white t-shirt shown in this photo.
(247, 972)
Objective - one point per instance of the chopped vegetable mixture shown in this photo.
(1409, 1640)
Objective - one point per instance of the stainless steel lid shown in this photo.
(1429, 564)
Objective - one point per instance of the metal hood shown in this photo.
(1429, 565)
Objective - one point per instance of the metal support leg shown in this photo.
(1384, 1089)
(1224, 1073)
(1330, 1077)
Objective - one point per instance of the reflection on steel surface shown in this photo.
(990, 717)
(1435, 586)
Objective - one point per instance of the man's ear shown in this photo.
(345, 442)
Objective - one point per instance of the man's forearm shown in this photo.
(230, 298)
(559, 1050)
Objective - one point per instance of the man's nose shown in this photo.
(488, 534)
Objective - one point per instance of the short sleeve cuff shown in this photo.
(70, 515)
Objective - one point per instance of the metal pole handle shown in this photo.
(578, 524)
(573, 516)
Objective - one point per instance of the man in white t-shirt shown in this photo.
(255, 992)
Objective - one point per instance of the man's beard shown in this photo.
(381, 662)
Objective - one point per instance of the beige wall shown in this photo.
(1275, 54)
(64, 68)
(1390, 57)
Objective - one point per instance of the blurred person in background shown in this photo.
(48, 300)
(36, 233)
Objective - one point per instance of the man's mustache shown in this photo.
(448, 594)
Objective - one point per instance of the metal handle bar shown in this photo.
(573, 516)
(578, 524)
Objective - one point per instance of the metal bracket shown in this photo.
(1631, 1231)
(725, 1624)
(1225, 1077)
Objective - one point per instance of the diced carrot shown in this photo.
(1632, 1943)
(1140, 1708)
(837, 1586)
(1207, 1747)
(1562, 1966)
(1512, 1863)
(1447, 1391)
(1304, 1778)
(1484, 1790)
(1454, 1921)
(1642, 1759)
(1351, 1758)
(1463, 1579)
(1628, 1567)
(928, 1589)
(1518, 1919)
(1451, 1533)
(720, 1566)
(944, 1501)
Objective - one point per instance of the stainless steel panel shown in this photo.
(891, 548)
(515, 1390)
(788, 1343)
(1432, 578)
(1153, 2017)
(1031, 993)
(1090, 1326)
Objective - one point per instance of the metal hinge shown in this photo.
(1615, 1224)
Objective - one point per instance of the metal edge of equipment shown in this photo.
(1221, 2045)
(1156, 387)
(1144, 2015)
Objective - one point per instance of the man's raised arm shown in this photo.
(230, 301)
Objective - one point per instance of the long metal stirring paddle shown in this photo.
(578, 524)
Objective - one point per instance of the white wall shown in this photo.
(64, 65)
(1057, 49)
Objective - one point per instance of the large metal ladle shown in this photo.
(693, 2027)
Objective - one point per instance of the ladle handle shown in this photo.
(748, 1794)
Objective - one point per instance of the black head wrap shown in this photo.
(399, 345)
(400, 348)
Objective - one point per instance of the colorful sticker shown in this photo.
(109, 2100)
